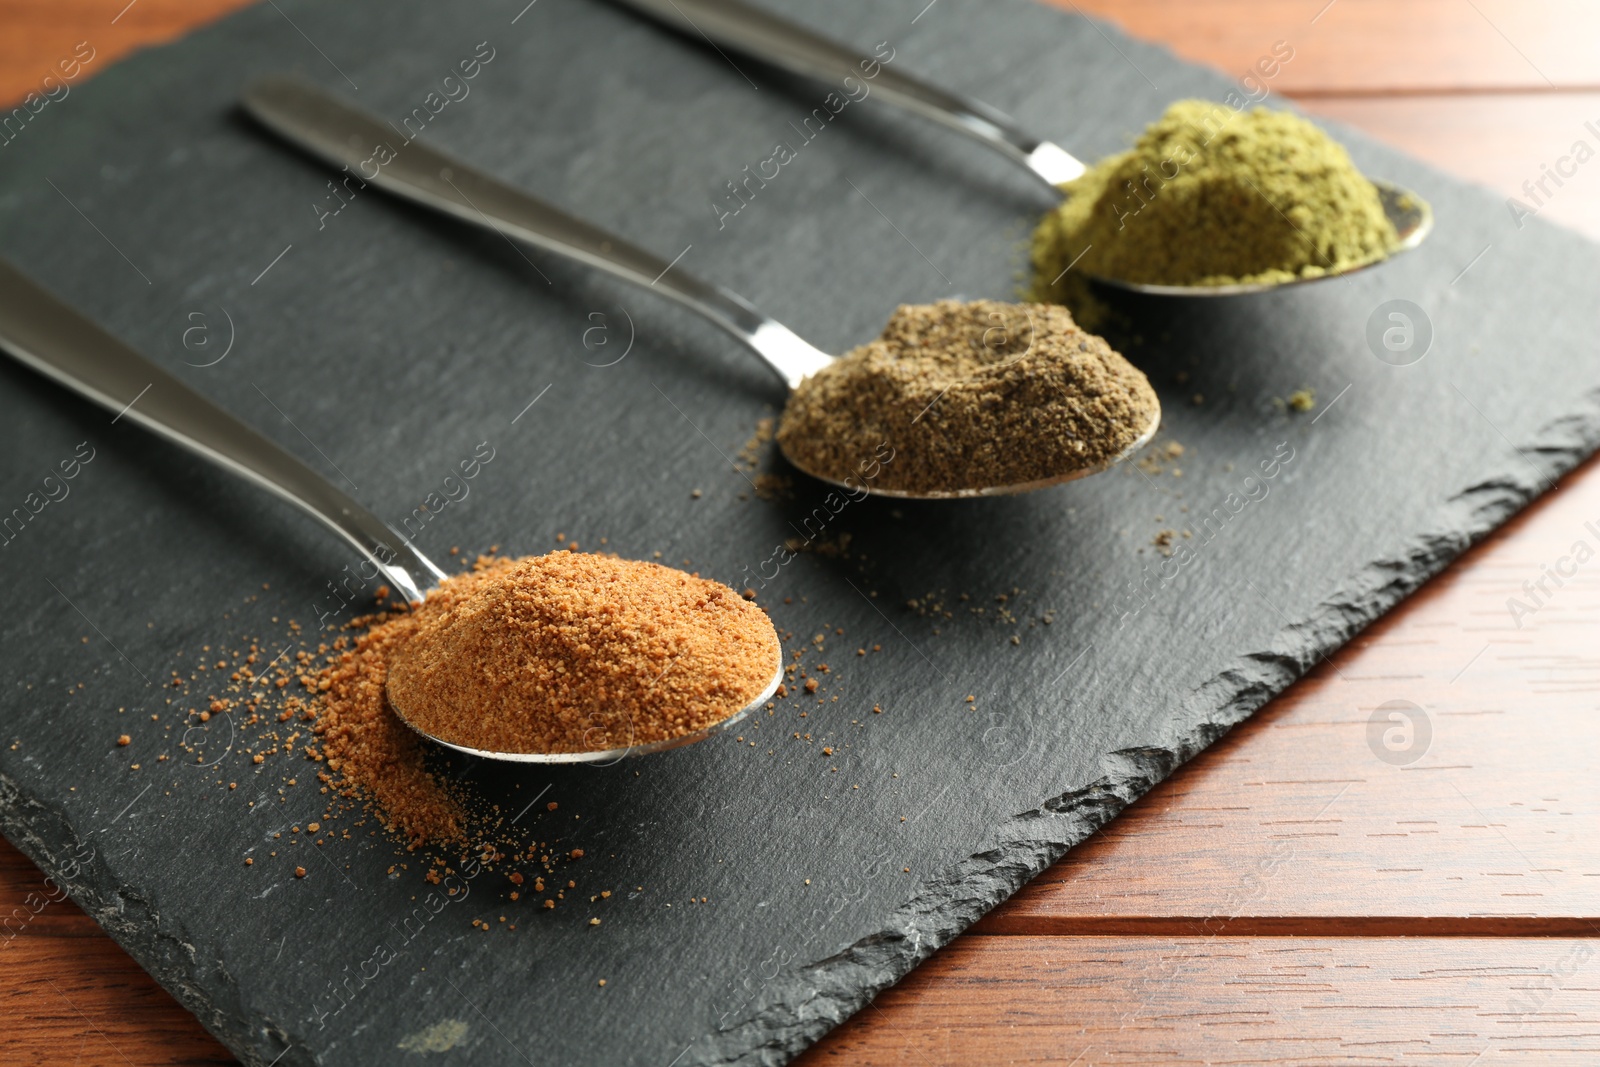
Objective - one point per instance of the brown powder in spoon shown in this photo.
(558, 653)
(573, 652)
(970, 396)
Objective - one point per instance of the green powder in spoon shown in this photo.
(1212, 196)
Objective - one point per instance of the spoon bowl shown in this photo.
(1410, 215)
(612, 755)
(1143, 439)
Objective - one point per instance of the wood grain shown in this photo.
(1504, 141)
(1493, 818)
(101, 1010)
(40, 33)
(70, 995)
(1160, 939)
(1378, 46)
(1229, 1000)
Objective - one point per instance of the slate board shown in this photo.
(395, 343)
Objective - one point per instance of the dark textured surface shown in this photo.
(397, 343)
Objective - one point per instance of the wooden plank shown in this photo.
(71, 995)
(1295, 814)
(1354, 46)
(97, 1008)
(1507, 142)
(1023, 998)
(33, 906)
(1378, 46)
(1229, 1000)
(39, 34)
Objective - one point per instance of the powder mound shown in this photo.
(1214, 196)
(572, 652)
(964, 396)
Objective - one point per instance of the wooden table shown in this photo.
(1288, 897)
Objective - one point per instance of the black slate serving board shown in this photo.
(383, 346)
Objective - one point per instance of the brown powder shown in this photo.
(323, 708)
(966, 396)
(370, 749)
(573, 652)
(749, 457)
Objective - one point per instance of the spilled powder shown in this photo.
(564, 652)
(963, 396)
(366, 746)
(266, 729)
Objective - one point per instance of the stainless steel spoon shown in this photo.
(338, 133)
(773, 39)
(43, 333)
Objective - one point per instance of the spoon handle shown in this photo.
(792, 47)
(381, 155)
(45, 334)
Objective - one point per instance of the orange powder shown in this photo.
(573, 652)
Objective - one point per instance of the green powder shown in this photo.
(1213, 196)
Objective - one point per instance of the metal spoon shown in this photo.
(338, 133)
(773, 39)
(43, 333)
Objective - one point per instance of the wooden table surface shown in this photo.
(1289, 896)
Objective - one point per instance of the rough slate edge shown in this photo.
(806, 1006)
(127, 917)
(801, 1006)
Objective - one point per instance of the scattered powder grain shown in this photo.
(1302, 400)
(572, 652)
(957, 397)
(770, 486)
(749, 457)
(1213, 196)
